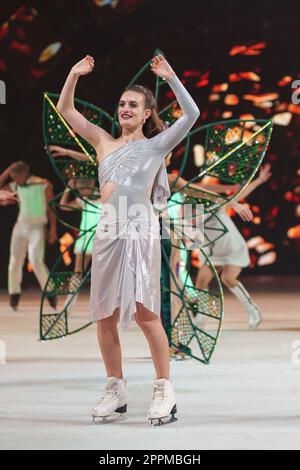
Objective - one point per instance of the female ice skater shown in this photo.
(230, 255)
(126, 258)
(179, 189)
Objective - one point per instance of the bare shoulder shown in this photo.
(47, 185)
(107, 145)
(38, 180)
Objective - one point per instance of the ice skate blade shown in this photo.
(161, 421)
(117, 416)
(164, 420)
(114, 418)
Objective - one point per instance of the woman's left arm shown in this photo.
(170, 137)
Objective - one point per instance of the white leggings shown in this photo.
(31, 239)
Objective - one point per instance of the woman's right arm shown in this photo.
(5, 175)
(86, 129)
(57, 152)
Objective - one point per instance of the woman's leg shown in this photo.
(82, 261)
(153, 329)
(110, 347)
(204, 277)
(87, 260)
(229, 276)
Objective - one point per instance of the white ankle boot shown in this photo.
(113, 400)
(254, 315)
(163, 406)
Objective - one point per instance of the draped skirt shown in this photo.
(126, 266)
(230, 249)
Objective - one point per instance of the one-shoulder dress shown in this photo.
(126, 256)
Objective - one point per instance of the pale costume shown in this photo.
(28, 235)
(231, 248)
(126, 259)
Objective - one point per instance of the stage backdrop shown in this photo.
(236, 62)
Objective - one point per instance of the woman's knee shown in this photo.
(204, 277)
(228, 280)
(108, 323)
(145, 318)
(141, 321)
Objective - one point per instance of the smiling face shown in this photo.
(132, 111)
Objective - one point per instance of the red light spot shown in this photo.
(289, 196)
(202, 83)
(255, 209)
(274, 211)
(246, 232)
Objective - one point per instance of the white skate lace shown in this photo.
(159, 395)
(111, 392)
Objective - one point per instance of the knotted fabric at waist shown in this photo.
(140, 223)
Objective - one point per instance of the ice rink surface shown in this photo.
(247, 398)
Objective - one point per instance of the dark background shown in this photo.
(198, 38)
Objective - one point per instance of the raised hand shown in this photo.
(57, 151)
(161, 67)
(243, 210)
(84, 66)
(7, 197)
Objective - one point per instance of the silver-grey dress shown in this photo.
(126, 257)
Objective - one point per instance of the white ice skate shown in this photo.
(254, 316)
(113, 401)
(163, 405)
